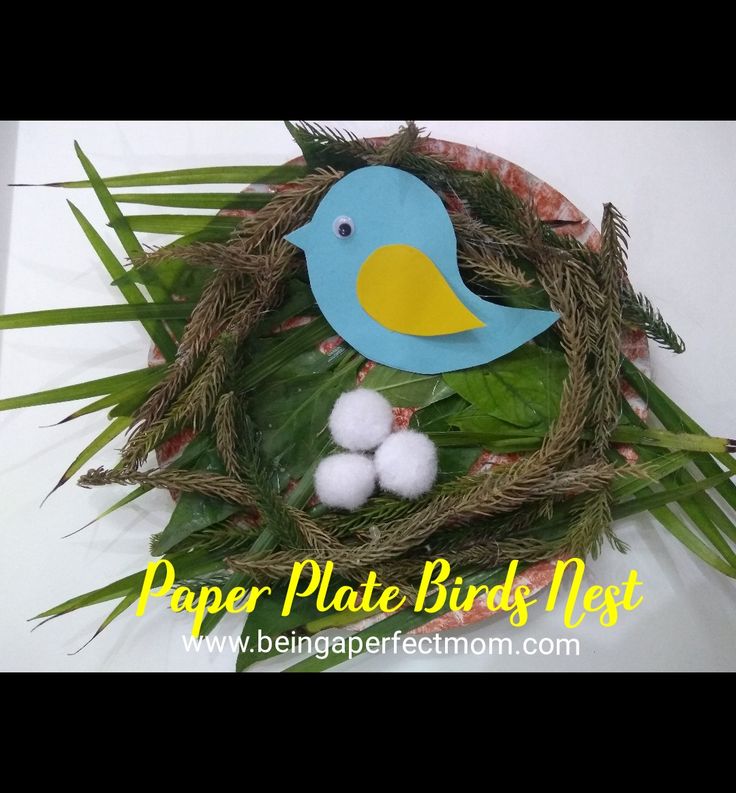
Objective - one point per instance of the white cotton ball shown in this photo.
(360, 420)
(345, 480)
(406, 464)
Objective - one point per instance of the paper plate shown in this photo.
(566, 218)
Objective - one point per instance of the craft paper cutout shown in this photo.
(378, 207)
(391, 273)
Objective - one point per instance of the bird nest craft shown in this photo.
(387, 356)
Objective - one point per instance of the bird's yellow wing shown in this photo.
(401, 289)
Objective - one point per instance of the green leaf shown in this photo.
(678, 529)
(157, 331)
(658, 468)
(67, 393)
(266, 541)
(141, 387)
(455, 461)
(193, 511)
(654, 500)
(243, 174)
(250, 200)
(289, 345)
(126, 499)
(402, 621)
(110, 432)
(436, 417)
(187, 565)
(266, 620)
(89, 314)
(125, 234)
(405, 389)
(292, 416)
(181, 224)
(523, 388)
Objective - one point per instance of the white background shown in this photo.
(675, 182)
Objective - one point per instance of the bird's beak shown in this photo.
(299, 237)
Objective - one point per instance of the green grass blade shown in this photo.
(649, 502)
(697, 509)
(678, 529)
(67, 393)
(126, 499)
(197, 200)
(130, 291)
(675, 419)
(182, 224)
(140, 388)
(237, 174)
(125, 234)
(656, 469)
(110, 432)
(122, 606)
(187, 565)
(671, 415)
(89, 314)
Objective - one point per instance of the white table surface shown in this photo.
(676, 184)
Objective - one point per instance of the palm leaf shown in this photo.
(130, 291)
(181, 224)
(90, 388)
(197, 200)
(89, 314)
(238, 174)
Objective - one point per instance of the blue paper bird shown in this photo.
(382, 260)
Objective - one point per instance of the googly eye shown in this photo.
(343, 227)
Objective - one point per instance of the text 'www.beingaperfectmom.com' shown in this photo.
(352, 646)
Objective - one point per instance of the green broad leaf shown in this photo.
(194, 511)
(453, 462)
(407, 390)
(156, 330)
(191, 513)
(187, 565)
(91, 314)
(113, 429)
(522, 388)
(266, 541)
(292, 417)
(288, 346)
(241, 174)
(254, 200)
(266, 620)
(140, 388)
(181, 224)
(436, 417)
(68, 393)
(403, 621)
(489, 428)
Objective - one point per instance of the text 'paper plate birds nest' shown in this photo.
(401, 349)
